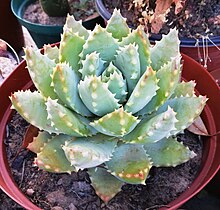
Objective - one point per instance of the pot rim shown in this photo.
(211, 163)
(12, 50)
(216, 75)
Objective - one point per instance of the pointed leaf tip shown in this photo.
(134, 164)
(105, 184)
(117, 25)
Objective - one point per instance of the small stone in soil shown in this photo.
(56, 197)
(30, 192)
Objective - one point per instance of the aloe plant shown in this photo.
(109, 102)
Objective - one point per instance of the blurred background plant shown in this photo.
(193, 18)
(55, 8)
(154, 13)
(60, 8)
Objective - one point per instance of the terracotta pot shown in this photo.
(216, 75)
(19, 79)
(10, 29)
(45, 34)
(204, 51)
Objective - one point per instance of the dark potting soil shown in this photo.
(35, 14)
(74, 192)
(203, 17)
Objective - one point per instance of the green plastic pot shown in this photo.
(45, 34)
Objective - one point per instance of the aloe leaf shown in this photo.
(65, 82)
(116, 84)
(71, 46)
(168, 152)
(117, 123)
(102, 42)
(89, 152)
(52, 52)
(105, 184)
(52, 157)
(31, 106)
(40, 68)
(140, 38)
(109, 71)
(127, 61)
(184, 89)
(96, 96)
(130, 164)
(76, 27)
(187, 109)
(117, 25)
(38, 142)
(165, 49)
(92, 65)
(66, 121)
(153, 130)
(143, 92)
(168, 76)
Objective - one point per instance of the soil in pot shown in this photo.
(63, 191)
(197, 18)
(8, 204)
(35, 14)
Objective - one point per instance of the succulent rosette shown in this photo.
(108, 101)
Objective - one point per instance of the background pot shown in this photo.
(205, 51)
(20, 79)
(11, 50)
(9, 59)
(10, 29)
(44, 34)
